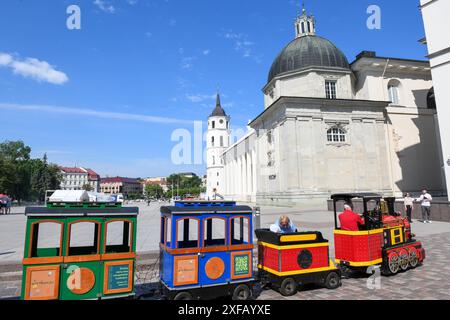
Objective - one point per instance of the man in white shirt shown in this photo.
(425, 201)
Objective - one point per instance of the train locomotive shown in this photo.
(385, 238)
(206, 250)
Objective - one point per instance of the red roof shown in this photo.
(91, 173)
(72, 170)
(119, 179)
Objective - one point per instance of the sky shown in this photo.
(111, 95)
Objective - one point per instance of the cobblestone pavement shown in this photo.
(427, 282)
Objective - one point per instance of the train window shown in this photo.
(187, 233)
(168, 232)
(214, 232)
(83, 239)
(46, 239)
(163, 230)
(118, 236)
(240, 231)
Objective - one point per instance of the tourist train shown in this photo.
(207, 250)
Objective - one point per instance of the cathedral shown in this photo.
(330, 126)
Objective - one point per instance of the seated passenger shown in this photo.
(350, 221)
(283, 225)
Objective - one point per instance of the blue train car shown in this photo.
(206, 250)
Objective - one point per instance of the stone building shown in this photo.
(436, 15)
(125, 186)
(332, 126)
(77, 178)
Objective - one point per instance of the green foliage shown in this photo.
(87, 187)
(184, 185)
(23, 178)
(154, 191)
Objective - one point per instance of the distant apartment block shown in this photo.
(125, 186)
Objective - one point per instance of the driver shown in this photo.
(350, 221)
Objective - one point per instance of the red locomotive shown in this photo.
(385, 238)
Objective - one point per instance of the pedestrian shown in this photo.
(3, 205)
(425, 201)
(408, 201)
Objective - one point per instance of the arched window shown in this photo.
(394, 91)
(212, 141)
(336, 134)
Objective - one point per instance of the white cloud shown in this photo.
(187, 62)
(5, 59)
(206, 52)
(94, 113)
(242, 44)
(196, 98)
(132, 2)
(33, 68)
(105, 6)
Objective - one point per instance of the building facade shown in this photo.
(436, 15)
(125, 186)
(329, 126)
(160, 181)
(78, 178)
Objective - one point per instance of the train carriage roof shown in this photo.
(57, 212)
(206, 210)
(343, 196)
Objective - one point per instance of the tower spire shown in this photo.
(305, 24)
(218, 104)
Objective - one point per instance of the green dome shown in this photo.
(306, 52)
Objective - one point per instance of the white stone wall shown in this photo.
(309, 83)
(307, 167)
(437, 23)
(240, 169)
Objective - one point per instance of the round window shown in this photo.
(221, 121)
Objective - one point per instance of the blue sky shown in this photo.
(110, 95)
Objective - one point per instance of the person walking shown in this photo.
(425, 201)
(408, 206)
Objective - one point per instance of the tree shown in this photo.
(44, 177)
(87, 187)
(23, 178)
(154, 191)
(15, 170)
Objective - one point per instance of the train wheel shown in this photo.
(288, 287)
(404, 259)
(183, 296)
(333, 280)
(241, 292)
(393, 263)
(413, 258)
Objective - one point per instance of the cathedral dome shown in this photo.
(306, 52)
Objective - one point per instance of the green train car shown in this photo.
(79, 251)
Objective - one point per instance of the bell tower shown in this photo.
(305, 25)
(218, 140)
